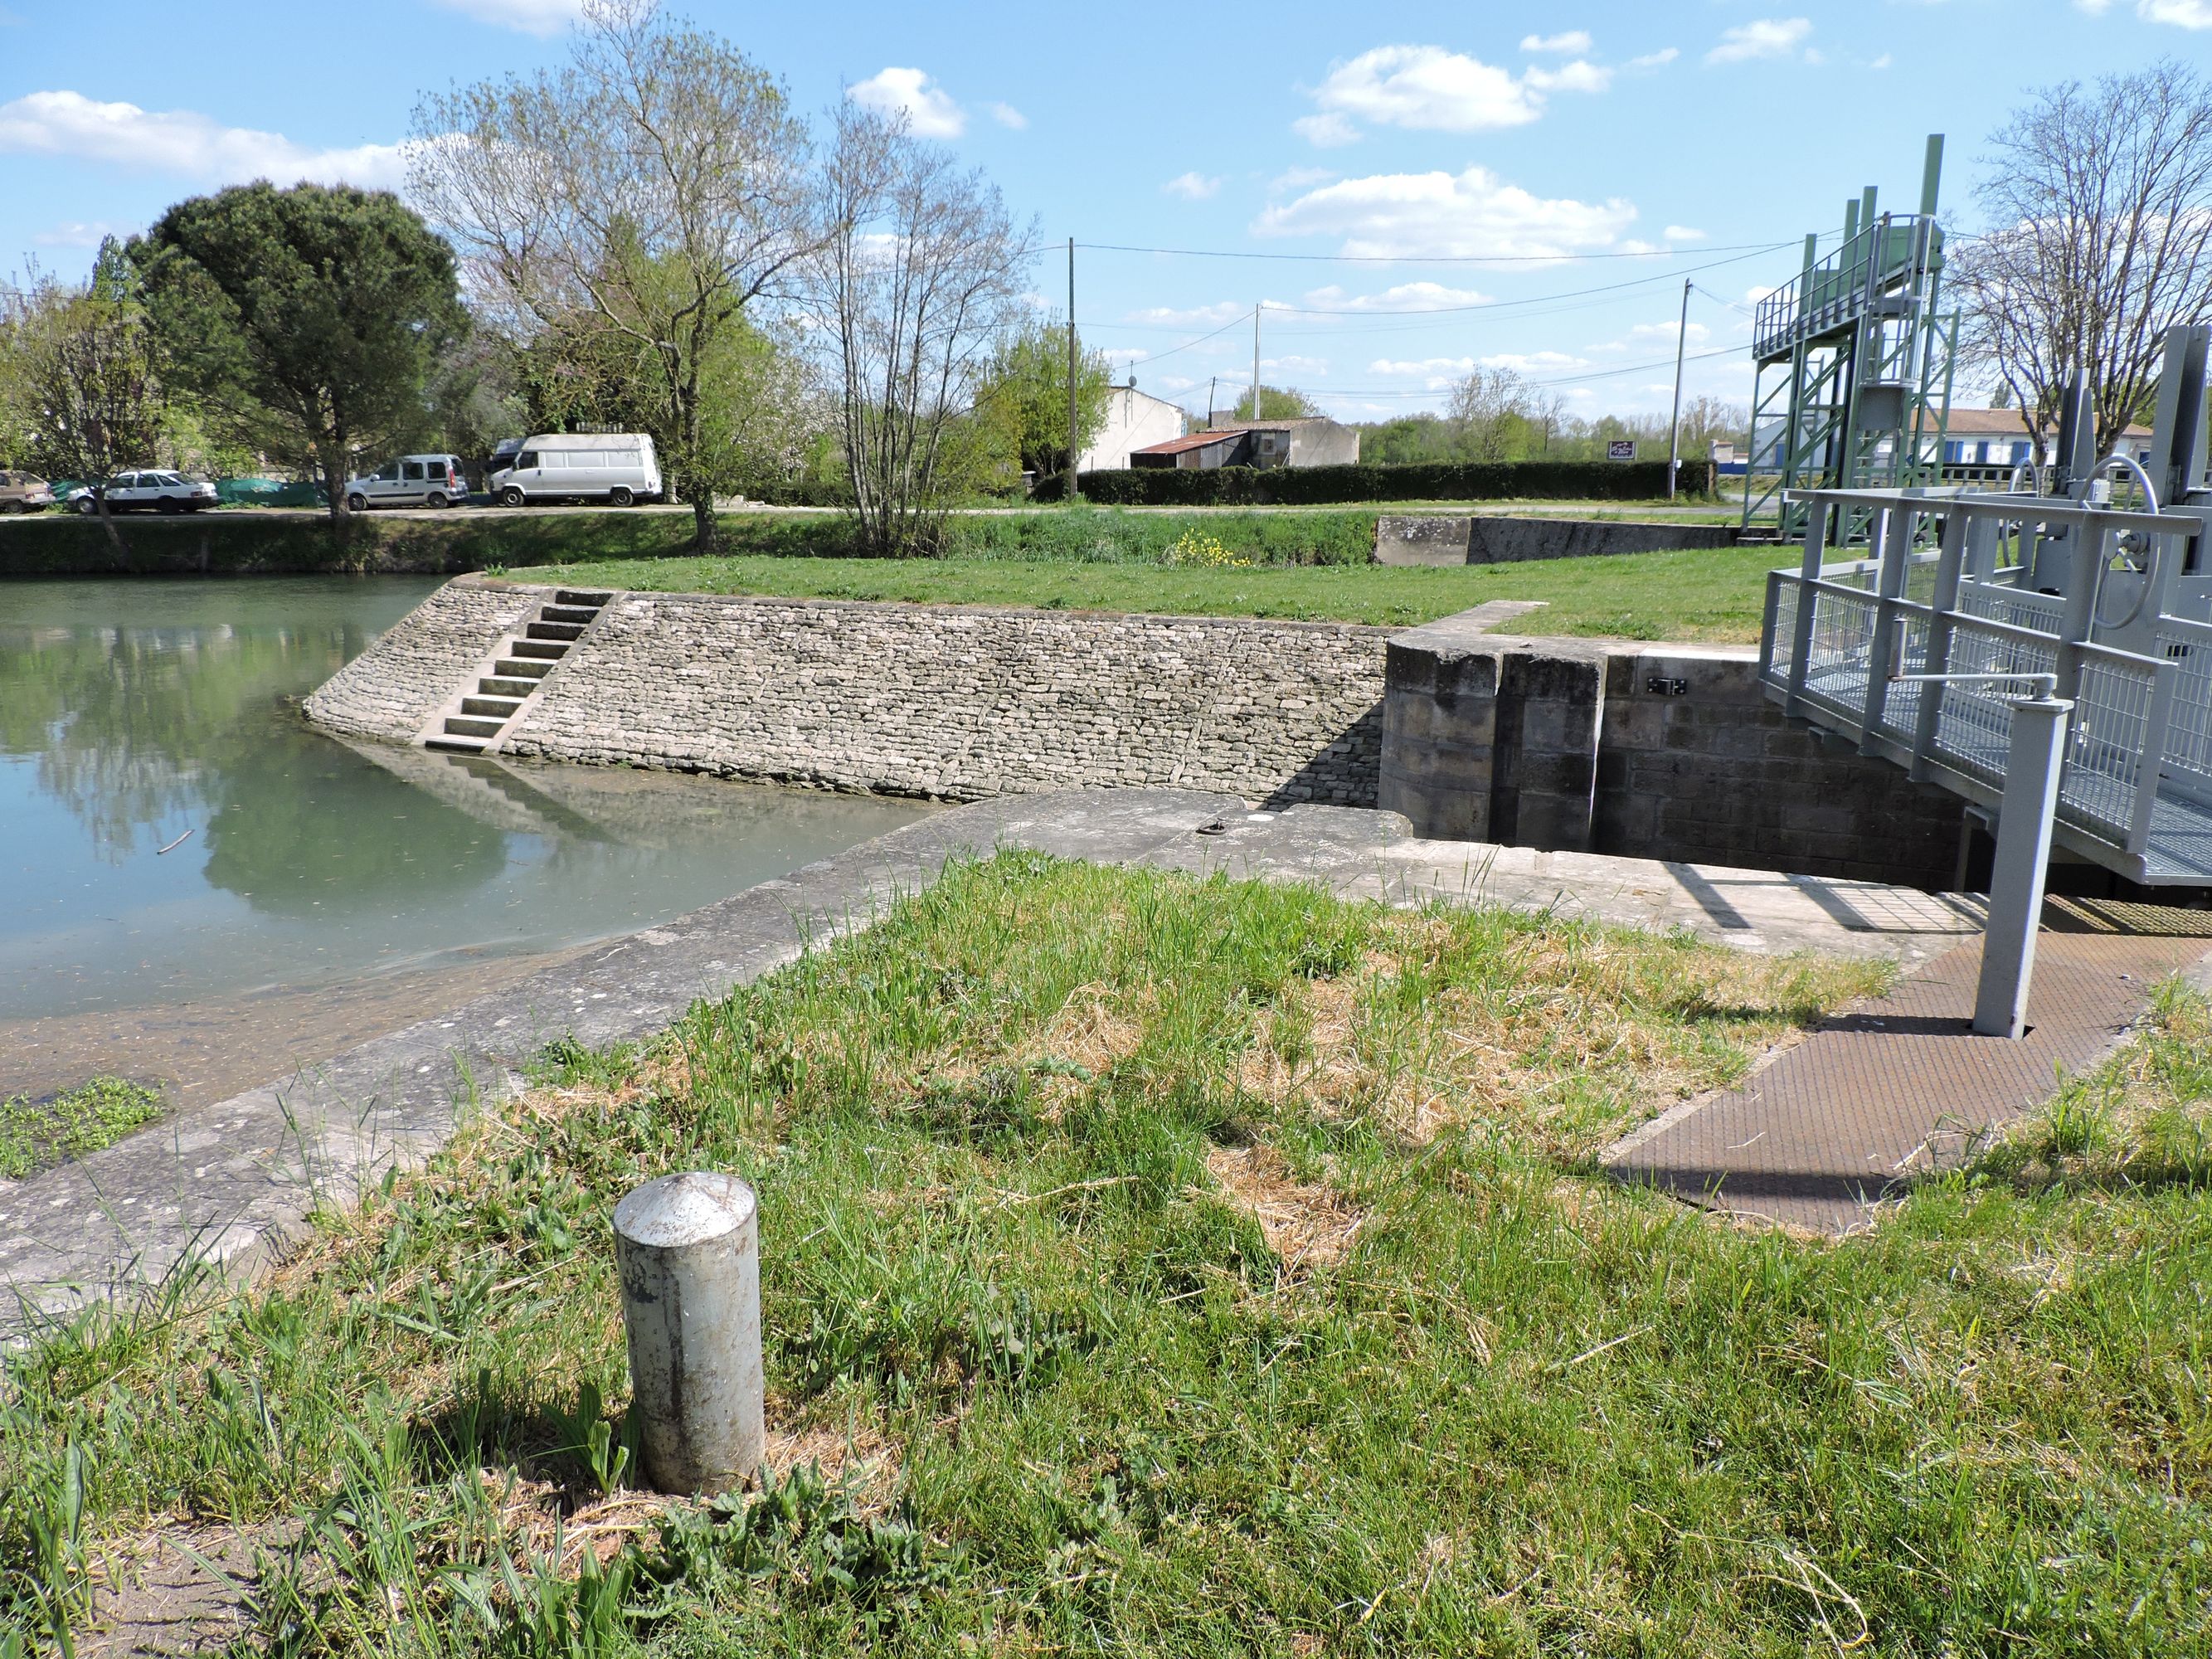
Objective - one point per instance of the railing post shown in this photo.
(1890, 551)
(2156, 726)
(2034, 755)
(1808, 600)
(1943, 604)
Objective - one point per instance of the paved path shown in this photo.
(1821, 1136)
(232, 1185)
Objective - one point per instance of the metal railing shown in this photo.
(1841, 640)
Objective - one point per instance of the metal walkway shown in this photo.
(2116, 606)
(1899, 1087)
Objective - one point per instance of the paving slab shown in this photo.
(1900, 1086)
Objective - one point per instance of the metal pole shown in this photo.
(1073, 478)
(2037, 753)
(687, 1247)
(1258, 306)
(1675, 426)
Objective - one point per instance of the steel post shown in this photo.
(688, 1250)
(2038, 749)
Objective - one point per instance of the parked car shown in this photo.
(163, 492)
(19, 492)
(618, 468)
(412, 480)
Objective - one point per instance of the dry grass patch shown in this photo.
(1306, 1225)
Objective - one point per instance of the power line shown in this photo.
(1432, 258)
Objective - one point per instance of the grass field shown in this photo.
(1713, 594)
(1158, 1266)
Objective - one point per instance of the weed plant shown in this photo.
(1163, 1267)
(34, 1134)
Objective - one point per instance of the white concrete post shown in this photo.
(688, 1249)
(2024, 818)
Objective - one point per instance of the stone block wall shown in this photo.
(391, 689)
(1496, 539)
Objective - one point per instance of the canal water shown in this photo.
(199, 890)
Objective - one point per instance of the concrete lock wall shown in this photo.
(1486, 539)
(1666, 752)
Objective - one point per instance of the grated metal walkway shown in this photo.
(1900, 1086)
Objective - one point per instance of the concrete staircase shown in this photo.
(474, 720)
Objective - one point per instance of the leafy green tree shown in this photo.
(78, 375)
(314, 318)
(1277, 403)
(1021, 396)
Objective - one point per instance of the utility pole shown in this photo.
(1211, 384)
(1072, 492)
(1675, 426)
(1257, 307)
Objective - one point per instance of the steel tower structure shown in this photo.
(1853, 383)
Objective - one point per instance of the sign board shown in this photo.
(1724, 454)
(1620, 449)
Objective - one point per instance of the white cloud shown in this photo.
(1177, 382)
(1682, 234)
(2182, 14)
(1007, 116)
(1426, 88)
(1294, 364)
(1406, 296)
(538, 17)
(1763, 36)
(1572, 41)
(1535, 362)
(77, 233)
(1648, 333)
(1191, 186)
(1328, 131)
(1412, 214)
(183, 143)
(1577, 76)
(1395, 368)
(1882, 61)
(1299, 179)
(1125, 354)
(929, 112)
(1658, 59)
(1189, 316)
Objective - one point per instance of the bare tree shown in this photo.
(1488, 406)
(647, 193)
(920, 272)
(79, 387)
(2100, 213)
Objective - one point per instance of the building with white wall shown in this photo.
(1135, 420)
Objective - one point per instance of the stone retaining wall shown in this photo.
(954, 704)
(1495, 538)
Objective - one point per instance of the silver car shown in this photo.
(411, 481)
(163, 492)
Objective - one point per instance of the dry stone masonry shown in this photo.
(392, 689)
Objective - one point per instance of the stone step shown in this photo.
(544, 650)
(580, 615)
(503, 708)
(515, 668)
(542, 630)
(459, 727)
(502, 687)
(453, 745)
(577, 596)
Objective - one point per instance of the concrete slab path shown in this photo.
(232, 1186)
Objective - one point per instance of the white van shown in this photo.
(614, 467)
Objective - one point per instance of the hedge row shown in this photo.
(1419, 481)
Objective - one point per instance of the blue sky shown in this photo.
(1548, 149)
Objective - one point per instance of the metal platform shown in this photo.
(2112, 604)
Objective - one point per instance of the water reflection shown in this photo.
(133, 714)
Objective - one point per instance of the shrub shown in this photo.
(1245, 486)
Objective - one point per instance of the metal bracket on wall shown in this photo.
(1662, 685)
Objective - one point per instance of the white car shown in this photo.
(618, 468)
(411, 481)
(165, 492)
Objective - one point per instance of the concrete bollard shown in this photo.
(688, 1248)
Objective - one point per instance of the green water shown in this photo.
(140, 715)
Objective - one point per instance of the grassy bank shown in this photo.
(1712, 594)
(1158, 1267)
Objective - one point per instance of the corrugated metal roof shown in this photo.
(1194, 440)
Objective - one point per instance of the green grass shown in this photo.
(35, 1134)
(1158, 1267)
(1713, 594)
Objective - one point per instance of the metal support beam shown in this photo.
(2037, 751)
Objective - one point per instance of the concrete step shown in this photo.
(542, 630)
(580, 615)
(453, 745)
(459, 727)
(502, 687)
(502, 708)
(544, 650)
(577, 596)
(514, 668)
